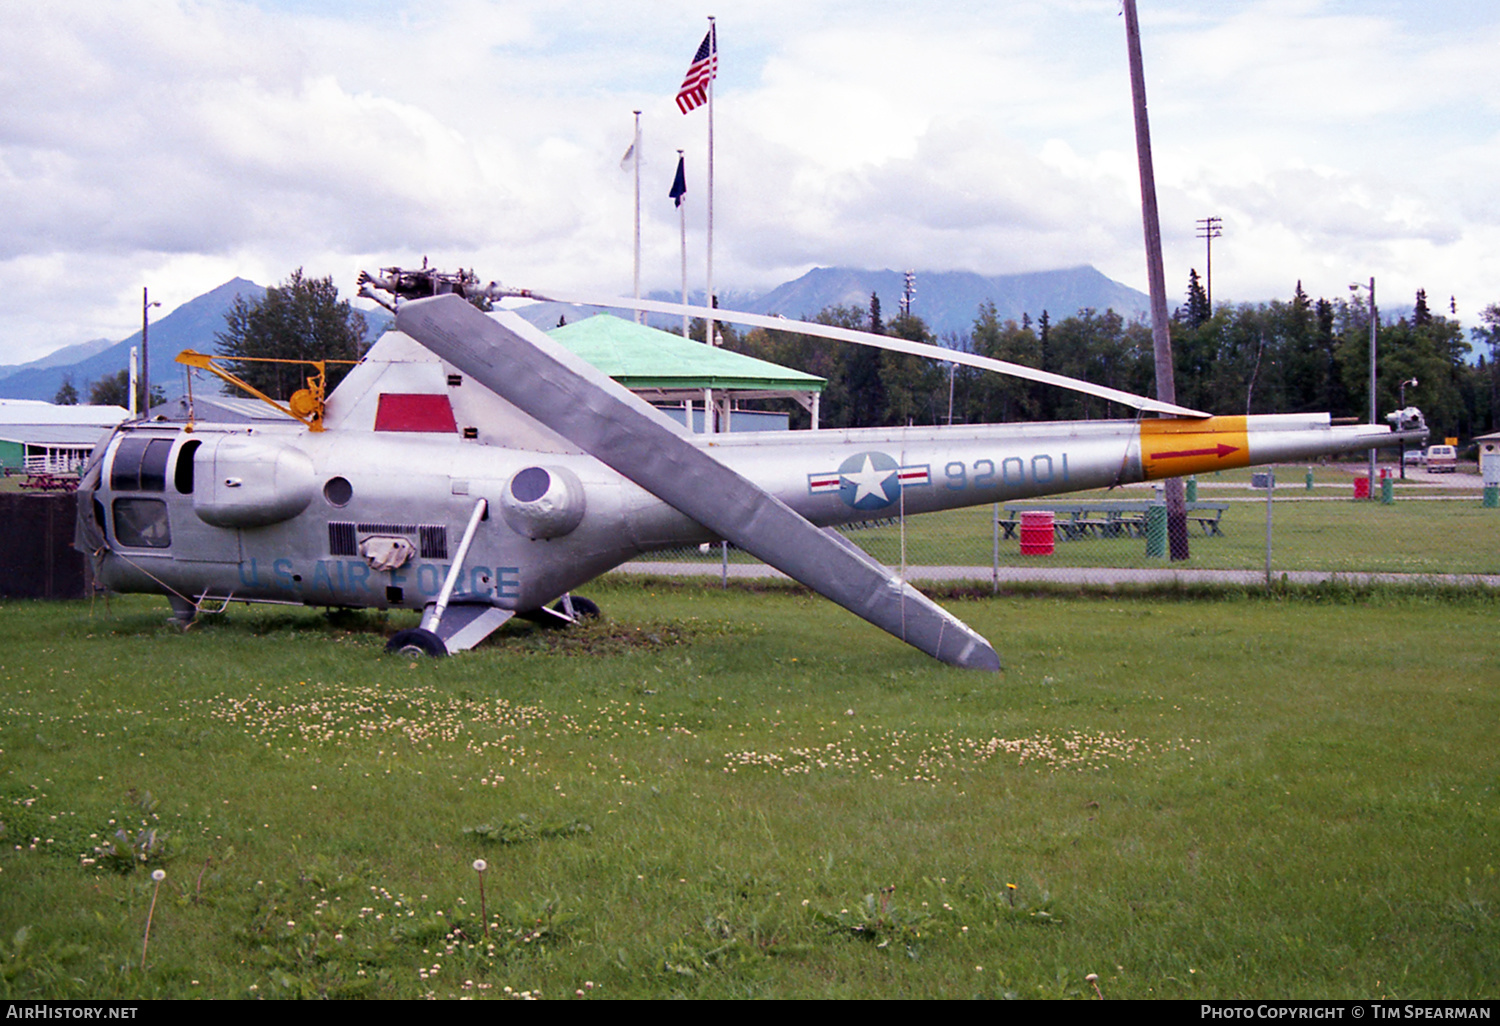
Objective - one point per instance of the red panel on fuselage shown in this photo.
(405, 411)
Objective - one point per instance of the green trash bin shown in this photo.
(1156, 532)
(1387, 488)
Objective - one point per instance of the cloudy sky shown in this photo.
(176, 144)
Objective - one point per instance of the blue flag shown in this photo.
(679, 184)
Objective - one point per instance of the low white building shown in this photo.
(40, 437)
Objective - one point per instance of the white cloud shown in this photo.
(176, 144)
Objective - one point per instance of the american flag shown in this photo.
(694, 89)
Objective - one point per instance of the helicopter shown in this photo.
(474, 469)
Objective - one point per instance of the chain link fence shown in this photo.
(1317, 523)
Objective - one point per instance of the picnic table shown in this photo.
(1074, 521)
(45, 481)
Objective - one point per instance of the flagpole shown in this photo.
(682, 220)
(714, 57)
(636, 148)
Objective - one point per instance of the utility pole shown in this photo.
(146, 305)
(1401, 405)
(635, 153)
(1374, 412)
(1166, 388)
(1209, 229)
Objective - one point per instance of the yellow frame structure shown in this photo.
(305, 405)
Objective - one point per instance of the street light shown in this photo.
(1374, 320)
(1401, 405)
(146, 305)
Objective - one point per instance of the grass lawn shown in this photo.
(752, 794)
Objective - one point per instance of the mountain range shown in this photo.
(192, 325)
(948, 301)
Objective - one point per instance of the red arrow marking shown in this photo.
(1221, 450)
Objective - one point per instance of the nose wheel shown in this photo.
(416, 641)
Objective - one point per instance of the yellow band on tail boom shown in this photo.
(1171, 448)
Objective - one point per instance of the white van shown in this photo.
(1442, 459)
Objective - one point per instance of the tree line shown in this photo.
(1300, 356)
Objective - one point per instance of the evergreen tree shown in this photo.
(1335, 399)
(300, 319)
(111, 390)
(66, 395)
(916, 388)
(114, 390)
(1197, 301)
(996, 398)
(1421, 316)
(1300, 303)
(867, 399)
(1047, 397)
(1489, 335)
(1303, 363)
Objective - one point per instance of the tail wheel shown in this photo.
(583, 609)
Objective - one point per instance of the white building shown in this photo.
(40, 437)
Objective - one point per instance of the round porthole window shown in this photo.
(338, 491)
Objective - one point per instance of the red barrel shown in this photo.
(1361, 487)
(1036, 533)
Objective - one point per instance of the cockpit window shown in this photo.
(140, 465)
(183, 478)
(142, 523)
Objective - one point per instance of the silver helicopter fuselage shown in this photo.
(272, 511)
(488, 431)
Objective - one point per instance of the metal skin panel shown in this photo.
(546, 381)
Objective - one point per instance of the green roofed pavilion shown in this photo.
(665, 368)
(647, 359)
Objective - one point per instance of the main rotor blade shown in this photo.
(865, 338)
(544, 380)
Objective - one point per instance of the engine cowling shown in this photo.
(253, 483)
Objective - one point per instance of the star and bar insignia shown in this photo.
(869, 480)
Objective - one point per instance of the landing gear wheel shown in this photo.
(414, 642)
(583, 609)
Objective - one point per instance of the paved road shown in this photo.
(1078, 575)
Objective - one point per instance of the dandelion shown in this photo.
(479, 867)
(157, 877)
